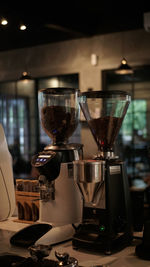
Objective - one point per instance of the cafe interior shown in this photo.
(65, 52)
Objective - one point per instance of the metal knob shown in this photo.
(38, 252)
(65, 260)
(42, 179)
(62, 258)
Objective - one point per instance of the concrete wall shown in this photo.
(74, 56)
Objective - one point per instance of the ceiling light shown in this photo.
(22, 27)
(25, 76)
(124, 68)
(4, 21)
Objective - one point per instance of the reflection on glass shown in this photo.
(134, 136)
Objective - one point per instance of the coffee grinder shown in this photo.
(107, 222)
(61, 201)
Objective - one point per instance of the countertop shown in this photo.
(124, 258)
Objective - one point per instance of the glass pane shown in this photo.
(69, 80)
(18, 107)
(134, 137)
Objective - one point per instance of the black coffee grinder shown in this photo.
(107, 223)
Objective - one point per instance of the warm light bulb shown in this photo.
(124, 62)
(23, 27)
(4, 21)
(124, 68)
(24, 73)
(25, 77)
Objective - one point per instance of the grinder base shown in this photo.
(88, 237)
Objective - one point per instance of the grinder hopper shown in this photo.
(104, 112)
(59, 112)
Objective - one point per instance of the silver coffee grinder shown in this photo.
(61, 201)
(107, 223)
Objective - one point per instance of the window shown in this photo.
(14, 118)
(135, 122)
(133, 141)
(18, 117)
